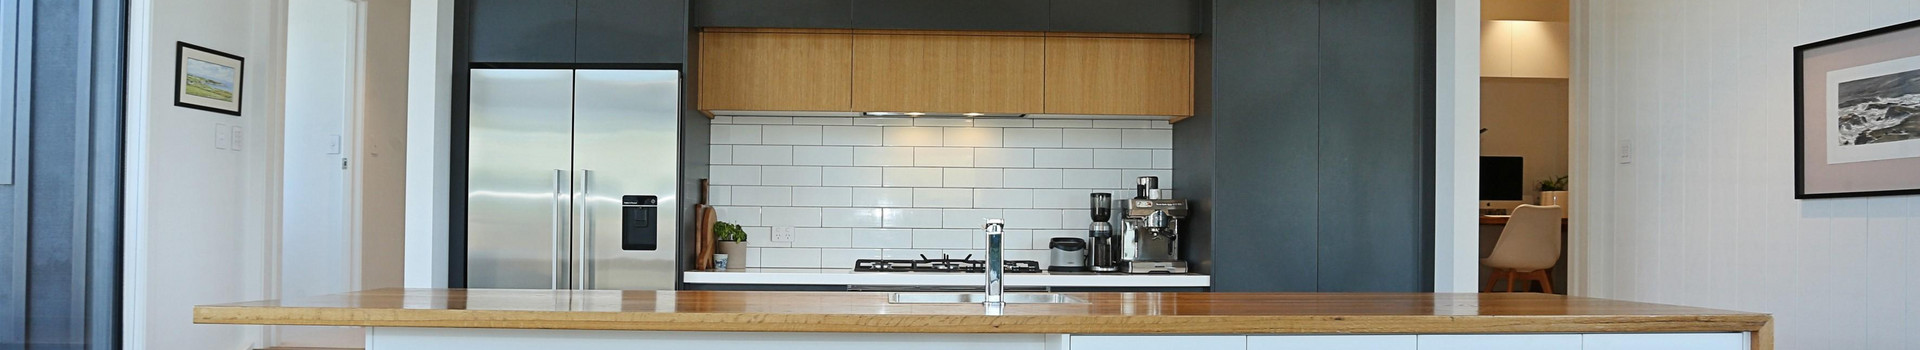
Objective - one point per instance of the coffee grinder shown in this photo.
(1105, 249)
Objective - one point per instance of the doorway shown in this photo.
(1525, 111)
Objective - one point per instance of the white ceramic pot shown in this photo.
(1556, 198)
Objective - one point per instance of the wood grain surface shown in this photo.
(776, 71)
(1111, 313)
(949, 73)
(1119, 76)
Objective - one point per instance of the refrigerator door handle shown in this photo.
(559, 232)
(587, 228)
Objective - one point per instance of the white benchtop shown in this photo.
(849, 277)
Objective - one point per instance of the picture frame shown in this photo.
(207, 79)
(1857, 114)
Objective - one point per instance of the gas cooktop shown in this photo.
(943, 264)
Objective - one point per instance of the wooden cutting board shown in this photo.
(703, 237)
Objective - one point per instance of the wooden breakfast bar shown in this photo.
(517, 319)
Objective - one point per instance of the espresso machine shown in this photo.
(1104, 249)
(1150, 230)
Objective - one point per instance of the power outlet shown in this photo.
(781, 234)
(221, 138)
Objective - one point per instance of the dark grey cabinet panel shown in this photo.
(631, 31)
(1126, 16)
(773, 14)
(1019, 15)
(522, 31)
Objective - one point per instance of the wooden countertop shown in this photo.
(1143, 313)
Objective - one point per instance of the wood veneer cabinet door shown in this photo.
(1125, 76)
(949, 73)
(776, 71)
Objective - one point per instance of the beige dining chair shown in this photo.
(1528, 248)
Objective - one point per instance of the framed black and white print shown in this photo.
(1857, 114)
(206, 79)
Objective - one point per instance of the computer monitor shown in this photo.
(1501, 183)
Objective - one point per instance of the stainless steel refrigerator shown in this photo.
(571, 178)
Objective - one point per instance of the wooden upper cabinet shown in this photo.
(776, 70)
(949, 73)
(1119, 76)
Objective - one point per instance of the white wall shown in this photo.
(429, 135)
(867, 188)
(1704, 214)
(1528, 118)
(199, 218)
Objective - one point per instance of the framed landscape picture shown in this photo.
(1857, 114)
(206, 79)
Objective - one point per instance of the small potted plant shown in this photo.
(1553, 191)
(732, 241)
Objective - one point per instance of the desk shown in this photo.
(1490, 228)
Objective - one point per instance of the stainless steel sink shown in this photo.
(977, 298)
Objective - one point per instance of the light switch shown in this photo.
(333, 145)
(221, 139)
(238, 139)
(1626, 151)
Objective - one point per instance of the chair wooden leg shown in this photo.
(1510, 281)
(1546, 281)
(1493, 279)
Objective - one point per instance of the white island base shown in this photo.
(393, 338)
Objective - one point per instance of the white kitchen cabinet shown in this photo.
(1151, 342)
(1332, 342)
(1689, 341)
(1501, 342)
(1523, 49)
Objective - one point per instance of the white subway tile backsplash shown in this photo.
(883, 121)
(790, 175)
(736, 134)
(1032, 178)
(854, 177)
(823, 237)
(883, 197)
(1090, 178)
(1003, 198)
(1061, 199)
(790, 135)
(743, 216)
(912, 177)
(1063, 158)
(942, 239)
(1034, 138)
(883, 156)
(1146, 138)
(910, 218)
(912, 136)
(844, 258)
(972, 137)
(1002, 123)
(1037, 219)
(971, 178)
(733, 175)
(942, 198)
(790, 217)
(822, 196)
(790, 257)
(1122, 158)
(1090, 138)
(822, 155)
(720, 195)
(823, 121)
(762, 120)
(850, 217)
(967, 218)
(850, 135)
(942, 156)
(942, 122)
(1003, 157)
(883, 238)
(1123, 124)
(719, 154)
(1062, 123)
(763, 155)
(762, 196)
(862, 188)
